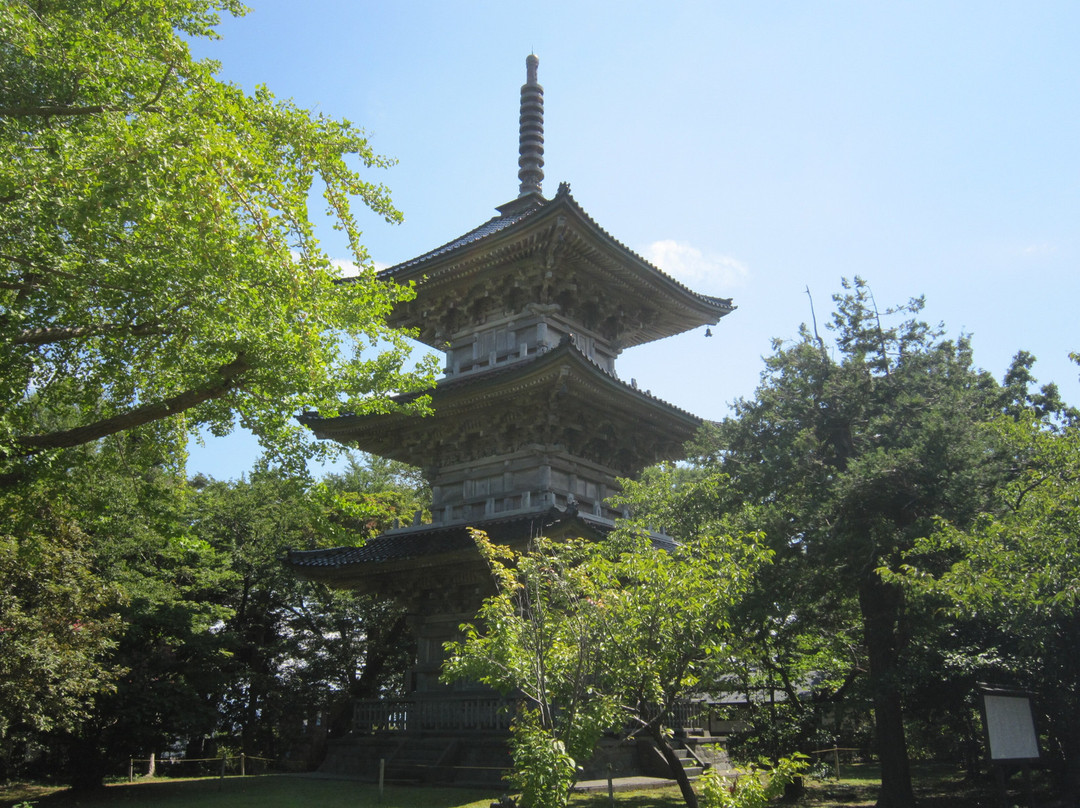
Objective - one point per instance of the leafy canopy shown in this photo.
(603, 637)
(157, 253)
(1014, 575)
(843, 459)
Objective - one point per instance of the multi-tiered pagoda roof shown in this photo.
(531, 425)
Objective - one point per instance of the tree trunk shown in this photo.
(379, 651)
(880, 606)
(1069, 777)
(678, 773)
(228, 377)
(86, 766)
(1061, 674)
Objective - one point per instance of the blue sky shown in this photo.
(751, 149)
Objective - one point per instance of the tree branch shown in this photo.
(228, 376)
(54, 111)
(65, 111)
(16, 287)
(39, 272)
(161, 90)
(44, 336)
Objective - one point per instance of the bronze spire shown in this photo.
(531, 131)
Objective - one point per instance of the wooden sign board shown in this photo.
(1010, 726)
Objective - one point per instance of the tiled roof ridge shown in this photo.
(412, 542)
(399, 540)
(722, 302)
(611, 375)
(565, 347)
(492, 226)
(497, 224)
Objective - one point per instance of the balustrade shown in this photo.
(456, 715)
(473, 715)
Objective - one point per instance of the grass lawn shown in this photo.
(936, 787)
(266, 791)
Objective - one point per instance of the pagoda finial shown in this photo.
(531, 131)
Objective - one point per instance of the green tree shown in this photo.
(167, 650)
(540, 636)
(671, 629)
(58, 621)
(157, 259)
(1015, 573)
(160, 616)
(601, 637)
(844, 458)
(372, 493)
(159, 275)
(803, 640)
(296, 648)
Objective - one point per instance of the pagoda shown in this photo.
(531, 426)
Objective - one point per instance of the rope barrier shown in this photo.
(836, 750)
(225, 760)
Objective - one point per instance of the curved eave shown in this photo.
(406, 551)
(466, 387)
(525, 231)
(373, 566)
(593, 393)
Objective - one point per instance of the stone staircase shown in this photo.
(695, 754)
(709, 750)
(690, 764)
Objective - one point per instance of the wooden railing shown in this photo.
(457, 715)
(685, 715)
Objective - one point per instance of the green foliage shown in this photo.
(57, 617)
(542, 636)
(1013, 576)
(603, 637)
(844, 458)
(156, 251)
(160, 275)
(133, 512)
(543, 771)
(1015, 559)
(87, 558)
(147, 613)
(754, 788)
(295, 648)
(371, 494)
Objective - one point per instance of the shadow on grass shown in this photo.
(935, 787)
(265, 791)
(667, 797)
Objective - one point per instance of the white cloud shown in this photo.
(709, 274)
(349, 269)
(1042, 248)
